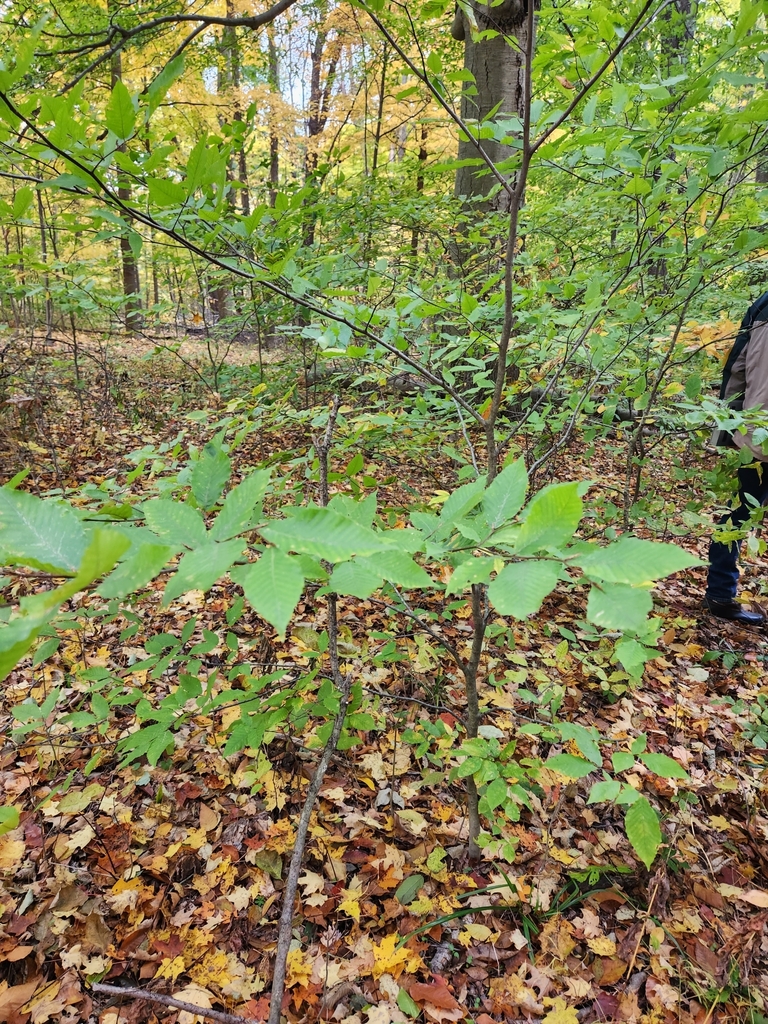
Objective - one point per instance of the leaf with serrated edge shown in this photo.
(520, 588)
(634, 561)
(569, 765)
(618, 606)
(643, 831)
(41, 534)
(210, 475)
(325, 534)
(201, 568)
(505, 495)
(136, 571)
(356, 580)
(663, 766)
(175, 522)
(551, 518)
(238, 507)
(273, 586)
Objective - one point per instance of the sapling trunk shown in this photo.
(479, 621)
(343, 684)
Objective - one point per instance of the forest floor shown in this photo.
(169, 879)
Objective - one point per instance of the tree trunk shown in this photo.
(419, 186)
(274, 139)
(380, 112)
(231, 47)
(678, 30)
(46, 278)
(497, 67)
(130, 266)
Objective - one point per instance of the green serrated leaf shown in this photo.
(41, 534)
(136, 571)
(622, 761)
(325, 534)
(239, 505)
(458, 505)
(45, 650)
(201, 568)
(196, 165)
(634, 561)
(355, 579)
(504, 497)
(210, 475)
(496, 793)
(520, 588)
(663, 766)
(162, 82)
(164, 192)
(583, 739)
(569, 765)
(273, 586)
(551, 518)
(175, 522)
(120, 114)
(643, 830)
(9, 819)
(17, 635)
(604, 792)
(473, 570)
(618, 606)
(397, 567)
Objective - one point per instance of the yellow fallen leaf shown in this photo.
(474, 933)
(729, 891)
(602, 946)
(311, 882)
(198, 996)
(388, 960)
(171, 968)
(350, 905)
(11, 851)
(299, 969)
(46, 1004)
(561, 1013)
(561, 856)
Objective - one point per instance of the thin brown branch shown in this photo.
(177, 1004)
(343, 684)
(123, 35)
(625, 40)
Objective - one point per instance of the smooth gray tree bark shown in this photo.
(497, 65)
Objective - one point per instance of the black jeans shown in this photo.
(723, 579)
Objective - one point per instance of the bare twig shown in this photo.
(177, 1004)
(344, 685)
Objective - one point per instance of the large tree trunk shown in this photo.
(274, 139)
(678, 30)
(497, 65)
(130, 265)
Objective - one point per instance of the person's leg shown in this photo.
(723, 578)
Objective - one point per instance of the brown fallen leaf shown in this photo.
(757, 897)
(15, 997)
(437, 994)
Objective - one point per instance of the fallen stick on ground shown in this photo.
(177, 1004)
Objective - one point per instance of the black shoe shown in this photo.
(734, 612)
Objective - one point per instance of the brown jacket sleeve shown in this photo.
(751, 375)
